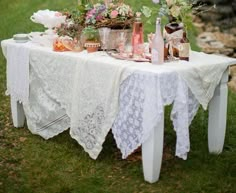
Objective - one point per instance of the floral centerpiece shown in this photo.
(179, 11)
(115, 16)
(179, 17)
(104, 14)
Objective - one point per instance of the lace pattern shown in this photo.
(44, 115)
(88, 129)
(92, 117)
(142, 100)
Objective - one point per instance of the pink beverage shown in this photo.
(158, 45)
(137, 37)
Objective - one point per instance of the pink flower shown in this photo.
(114, 14)
(99, 17)
(93, 11)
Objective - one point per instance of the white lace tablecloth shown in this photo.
(91, 93)
(142, 97)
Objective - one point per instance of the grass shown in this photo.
(29, 163)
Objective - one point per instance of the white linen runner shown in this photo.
(202, 74)
(18, 72)
(95, 101)
(86, 90)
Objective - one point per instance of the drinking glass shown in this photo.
(104, 33)
(121, 42)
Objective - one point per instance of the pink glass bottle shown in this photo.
(137, 37)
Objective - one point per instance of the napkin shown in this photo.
(18, 72)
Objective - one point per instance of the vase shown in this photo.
(92, 46)
(58, 45)
(104, 33)
(115, 36)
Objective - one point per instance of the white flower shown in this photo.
(155, 1)
(123, 10)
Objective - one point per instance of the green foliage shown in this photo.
(91, 33)
(75, 19)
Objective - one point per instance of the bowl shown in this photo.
(20, 38)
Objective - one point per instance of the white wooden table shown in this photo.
(152, 149)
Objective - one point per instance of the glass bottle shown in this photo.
(184, 48)
(158, 45)
(170, 29)
(137, 37)
(166, 49)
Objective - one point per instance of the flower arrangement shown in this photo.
(95, 13)
(176, 10)
(73, 25)
(112, 15)
(180, 11)
(116, 16)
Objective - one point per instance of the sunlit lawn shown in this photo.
(29, 163)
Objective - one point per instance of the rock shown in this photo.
(210, 16)
(232, 83)
(232, 31)
(206, 37)
(199, 26)
(226, 23)
(232, 71)
(227, 52)
(227, 39)
(210, 28)
(234, 5)
(216, 44)
(224, 10)
(219, 12)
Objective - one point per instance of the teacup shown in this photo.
(20, 38)
(42, 39)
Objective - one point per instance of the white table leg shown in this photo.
(217, 116)
(18, 115)
(152, 151)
